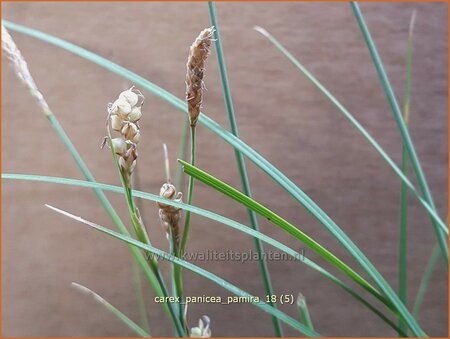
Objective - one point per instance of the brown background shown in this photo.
(280, 113)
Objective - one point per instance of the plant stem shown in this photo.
(178, 269)
(181, 153)
(187, 222)
(403, 239)
(407, 142)
(140, 298)
(403, 245)
(241, 164)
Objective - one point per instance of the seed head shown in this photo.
(169, 216)
(198, 52)
(124, 114)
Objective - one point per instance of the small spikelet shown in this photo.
(203, 329)
(199, 51)
(169, 216)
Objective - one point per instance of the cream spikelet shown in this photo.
(198, 52)
(169, 216)
(11, 51)
(123, 117)
(203, 329)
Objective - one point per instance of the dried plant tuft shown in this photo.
(13, 53)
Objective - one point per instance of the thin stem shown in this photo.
(172, 238)
(166, 163)
(187, 222)
(140, 298)
(241, 164)
(403, 241)
(137, 184)
(181, 153)
(407, 142)
(178, 278)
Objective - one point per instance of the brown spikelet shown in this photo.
(169, 216)
(199, 51)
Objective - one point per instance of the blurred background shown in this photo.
(280, 114)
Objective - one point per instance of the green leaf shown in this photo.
(281, 223)
(200, 271)
(406, 139)
(127, 321)
(425, 281)
(356, 124)
(330, 257)
(213, 216)
(303, 311)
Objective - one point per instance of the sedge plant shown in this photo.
(374, 292)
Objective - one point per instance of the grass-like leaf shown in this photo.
(203, 273)
(425, 281)
(127, 321)
(392, 301)
(351, 118)
(213, 126)
(303, 311)
(281, 223)
(216, 217)
(267, 283)
(406, 139)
